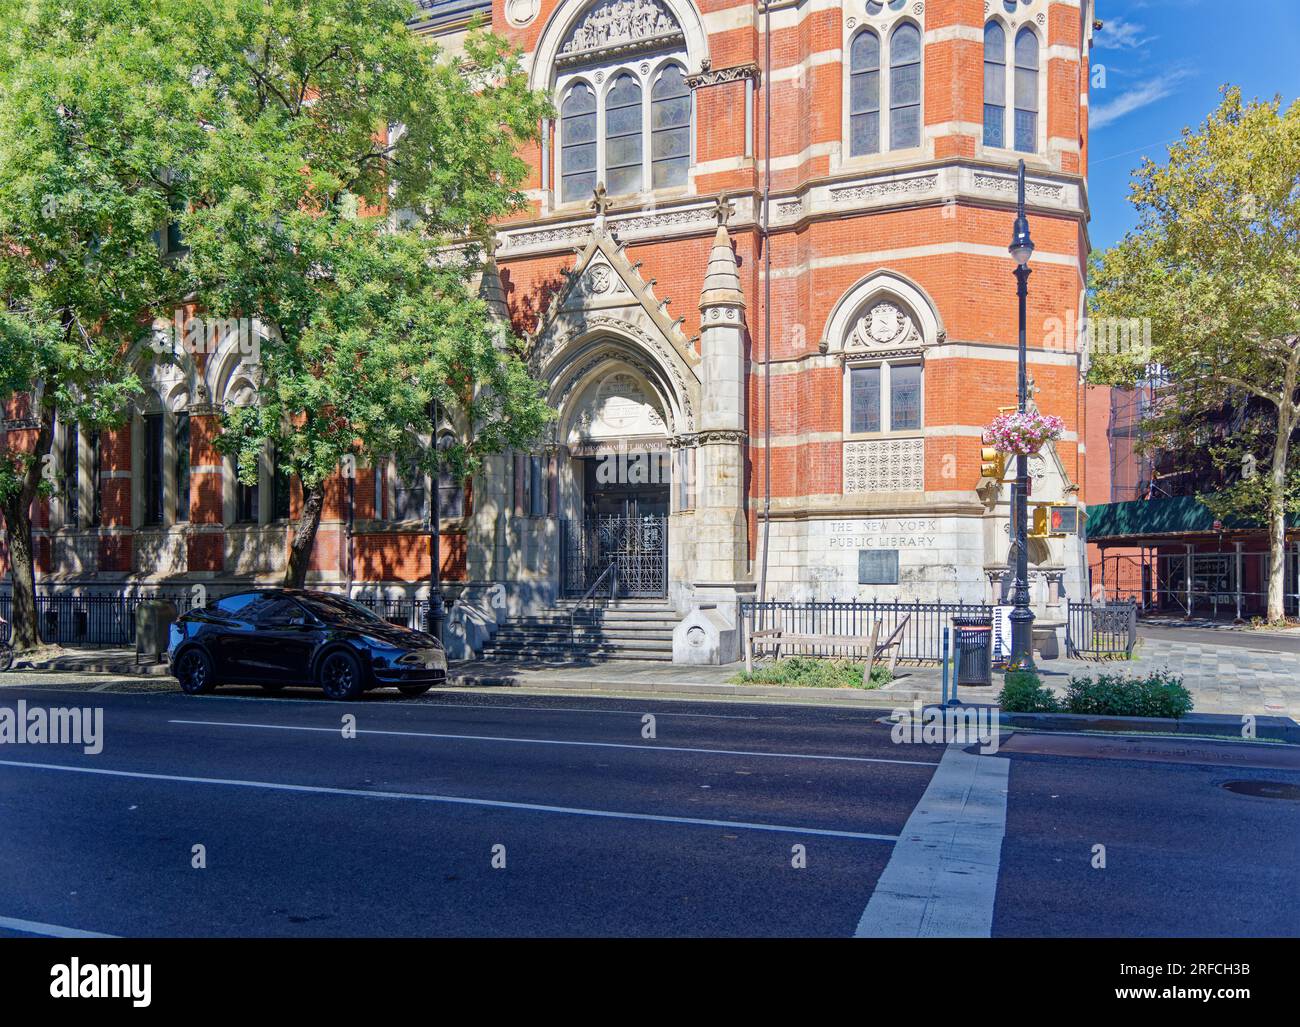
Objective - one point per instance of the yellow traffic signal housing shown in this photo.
(992, 463)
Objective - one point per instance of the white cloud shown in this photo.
(1142, 95)
(1118, 34)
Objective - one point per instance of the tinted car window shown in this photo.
(336, 608)
(272, 610)
(234, 605)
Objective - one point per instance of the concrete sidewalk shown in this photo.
(1222, 679)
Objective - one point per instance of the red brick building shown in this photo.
(879, 277)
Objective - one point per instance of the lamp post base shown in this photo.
(1022, 640)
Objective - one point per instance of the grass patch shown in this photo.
(808, 672)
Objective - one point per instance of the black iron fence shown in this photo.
(921, 639)
(107, 619)
(1093, 631)
(637, 545)
(90, 619)
(409, 613)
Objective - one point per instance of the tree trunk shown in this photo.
(1277, 522)
(304, 537)
(24, 630)
(18, 530)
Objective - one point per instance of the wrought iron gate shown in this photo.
(637, 545)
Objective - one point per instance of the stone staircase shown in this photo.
(626, 629)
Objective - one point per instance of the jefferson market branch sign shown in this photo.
(888, 533)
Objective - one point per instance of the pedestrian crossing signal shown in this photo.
(992, 463)
(1053, 521)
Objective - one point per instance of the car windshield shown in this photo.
(336, 608)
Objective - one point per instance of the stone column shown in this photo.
(206, 539)
(710, 633)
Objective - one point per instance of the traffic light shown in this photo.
(1053, 521)
(992, 463)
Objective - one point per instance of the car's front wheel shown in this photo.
(194, 672)
(340, 675)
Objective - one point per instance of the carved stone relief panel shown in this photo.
(884, 324)
(884, 465)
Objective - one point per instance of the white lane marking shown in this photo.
(47, 930)
(555, 741)
(942, 877)
(575, 709)
(454, 800)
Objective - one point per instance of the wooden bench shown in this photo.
(775, 638)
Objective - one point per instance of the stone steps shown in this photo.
(628, 629)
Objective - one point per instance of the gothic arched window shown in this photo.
(626, 109)
(864, 94)
(905, 87)
(995, 85)
(670, 128)
(623, 133)
(578, 142)
(1026, 96)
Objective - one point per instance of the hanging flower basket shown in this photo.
(1023, 434)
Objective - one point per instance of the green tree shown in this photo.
(356, 161)
(1214, 269)
(99, 123)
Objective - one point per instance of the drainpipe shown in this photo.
(767, 295)
(1237, 547)
(352, 517)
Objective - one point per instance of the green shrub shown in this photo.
(1024, 692)
(1160, 694)
(811, 672)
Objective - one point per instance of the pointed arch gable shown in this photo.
(877, 285)
(567, 15)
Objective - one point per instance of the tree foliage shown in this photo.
(280, 133)
(1214, 268)
(96, 108)
(355, 162)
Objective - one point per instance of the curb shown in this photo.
(1223, 725)
(61, 665)
(856, 696)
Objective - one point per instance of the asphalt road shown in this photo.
(691, 832)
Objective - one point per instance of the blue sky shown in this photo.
(1165, 61)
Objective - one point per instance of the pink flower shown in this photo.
(1023, 434)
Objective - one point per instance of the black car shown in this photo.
(287, 636)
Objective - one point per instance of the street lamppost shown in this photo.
(1022, 617)
(436, 612)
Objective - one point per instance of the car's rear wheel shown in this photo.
(340, 675)
(415, 689)
(194, 672)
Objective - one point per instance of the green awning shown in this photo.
(1145, 518)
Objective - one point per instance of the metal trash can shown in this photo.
(974, 645)
(153, 621)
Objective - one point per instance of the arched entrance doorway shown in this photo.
(620, 481)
